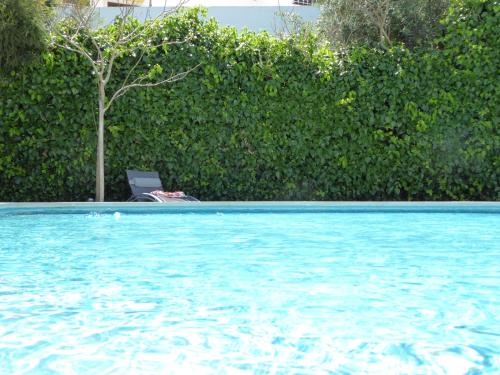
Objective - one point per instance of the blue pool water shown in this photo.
(250, 293)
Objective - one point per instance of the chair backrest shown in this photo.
(143, 182)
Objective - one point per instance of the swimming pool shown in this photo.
(250, 289)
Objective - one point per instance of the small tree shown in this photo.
(102, 48)
(23, 33)
(382, 22)
(291, 25)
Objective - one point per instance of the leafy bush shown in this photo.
(23, 35)
(269, 119)
(375, 22)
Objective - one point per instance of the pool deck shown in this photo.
(249, 207)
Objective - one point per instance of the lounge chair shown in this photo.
(147, 187)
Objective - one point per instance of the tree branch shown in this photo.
(81, 52)
(139, 83)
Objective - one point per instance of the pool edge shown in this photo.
(253, 206)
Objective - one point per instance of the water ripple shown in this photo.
(250, 293)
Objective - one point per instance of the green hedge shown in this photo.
(269, 119)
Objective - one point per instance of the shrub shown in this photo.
(376, 22)
(23, 35)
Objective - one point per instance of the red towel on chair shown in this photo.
(169, 194)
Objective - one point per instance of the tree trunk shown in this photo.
(99, 173)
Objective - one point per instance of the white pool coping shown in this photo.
(254, 206)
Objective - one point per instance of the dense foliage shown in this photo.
(23, 34)
(376, 22)
(269, 119)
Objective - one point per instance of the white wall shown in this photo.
(205, 3)
(254, 18)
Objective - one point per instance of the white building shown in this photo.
(205, 3)
(255, 15)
